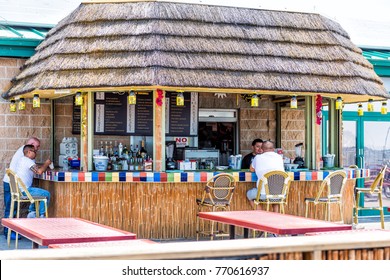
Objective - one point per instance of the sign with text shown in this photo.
(114, 116)
(181, 120)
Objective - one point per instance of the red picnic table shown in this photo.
(270, 222)
(46, 231)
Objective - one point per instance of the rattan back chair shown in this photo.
(217, 196)
(19, 194)
(276, 184)
(375, 188)
(330, 192)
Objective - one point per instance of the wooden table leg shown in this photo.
(232, 231)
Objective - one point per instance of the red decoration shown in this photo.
(318, 109)
(160, 96)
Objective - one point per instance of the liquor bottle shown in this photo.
(101, 152)
(143, 151)
(106, 149)
(115, 149)
(120, 149)
(111, 151)
(137, 152)
(125, 152)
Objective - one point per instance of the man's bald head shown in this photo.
(268, 146)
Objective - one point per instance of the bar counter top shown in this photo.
(182, 176)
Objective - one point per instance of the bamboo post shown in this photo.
(159, 130)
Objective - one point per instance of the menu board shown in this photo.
(140, 116)
(181, 120)
(114, 116)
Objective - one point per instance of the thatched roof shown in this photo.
(197, 46)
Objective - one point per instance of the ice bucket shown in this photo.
(101, 163)
(328, 161)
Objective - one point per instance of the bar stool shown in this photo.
(375, 188)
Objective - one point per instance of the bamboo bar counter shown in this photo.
(162, 205)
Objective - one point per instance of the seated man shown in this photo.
(261, 164)
(25, 170)
(256, 149)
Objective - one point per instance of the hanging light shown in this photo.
(180, 99)
(78, 101)
(12, 106)
(255, 100)
(339, 103)
(294, 102)
(370, 105)
(132, 97)
(360, 110)
(36, 101)
(22, 104)
(384, 108)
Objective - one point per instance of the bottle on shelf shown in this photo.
(120, 149)
(101, 151)
(111, 151)
(136, 152)
(115, 149)
(143, 151)
(106, 150)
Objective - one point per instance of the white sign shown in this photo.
(181, 142)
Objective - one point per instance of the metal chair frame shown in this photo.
(334, 185)
(375, 188)
(17, 197)
(217, 196)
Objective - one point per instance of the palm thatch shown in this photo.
(190, 45)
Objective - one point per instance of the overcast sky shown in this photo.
(367, 22)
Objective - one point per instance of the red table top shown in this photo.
(371, 232)
(46, 231)
(122, 243)
(272, 222)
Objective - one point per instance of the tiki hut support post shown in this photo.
(159, 129)
(84, 132)
(310, 119)
(335, 132)
(91, 132)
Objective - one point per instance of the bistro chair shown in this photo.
(375, 188)
(330, 192)
(276, 184)
(217, 196)
(17, 197)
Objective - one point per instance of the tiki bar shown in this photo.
(150, 100)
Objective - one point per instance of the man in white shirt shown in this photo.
(261, 164)
(26, 170)
(14, 162)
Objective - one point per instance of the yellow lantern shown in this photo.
(180, 99)
(370, 105)
(360, 110)
(78, 101)
(384, 108)
(22, 104)
(132, 98)
(294, 102)
(255, 100)
(36, 101)
(12, 106)
(339, 103)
